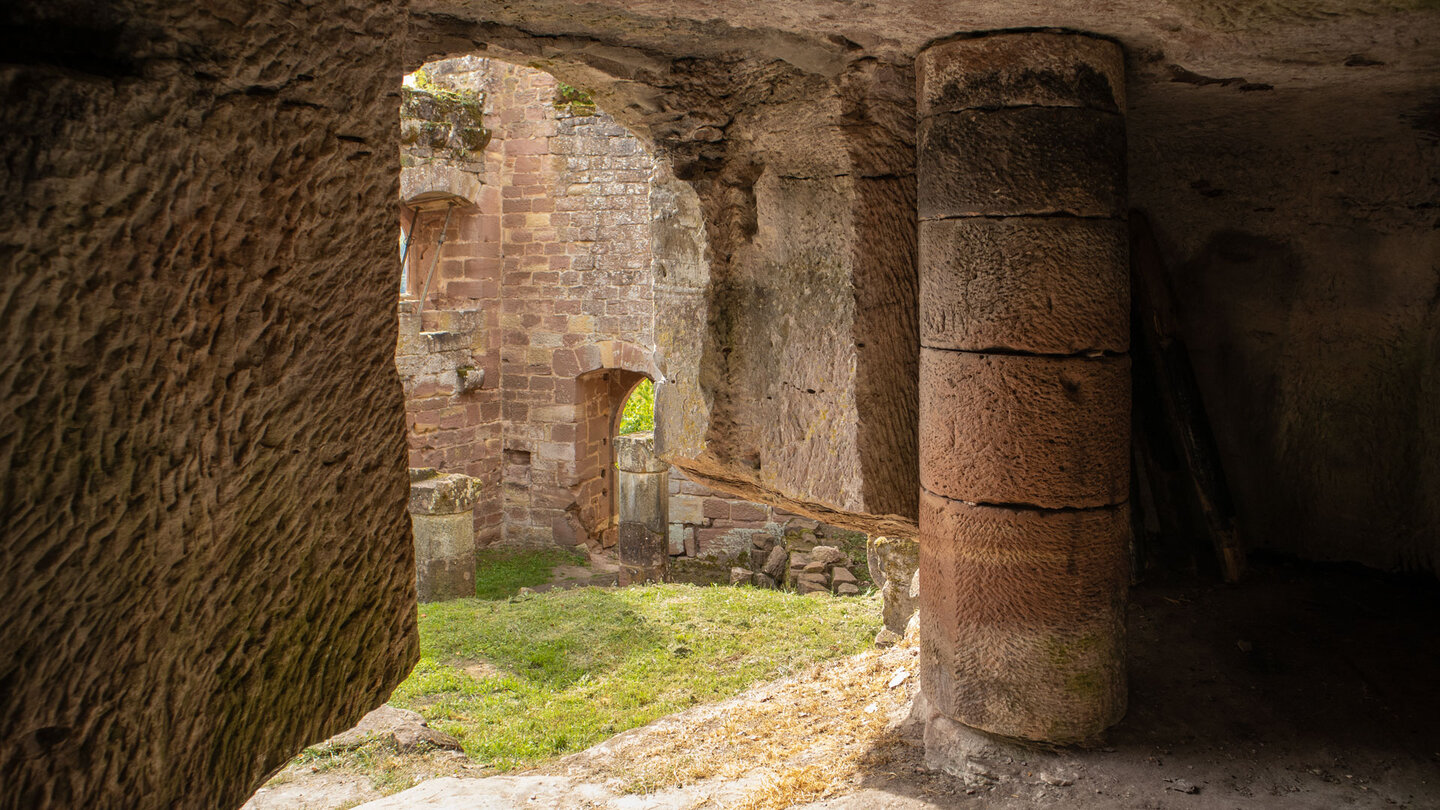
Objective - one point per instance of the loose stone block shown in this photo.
(434, 494)
(1030, 69)
(894, 561)
(1025, 608)
(775, 563)
(1028, 160)
(1042, 431)
(1065, 287)
(442, 516)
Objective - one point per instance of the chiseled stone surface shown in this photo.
(1021, 160)
(1031, 624)
(1049, 432)
(1065, 288)
(207, 560)
(1023, 587)
(434, 494)
(1033, 69)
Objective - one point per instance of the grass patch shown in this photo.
(500, 573)
(525, 680)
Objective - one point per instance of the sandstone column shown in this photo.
(442, 512)
(1024, 383)
(643, 484)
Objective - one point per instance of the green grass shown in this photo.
(501, 573)
(536, 677)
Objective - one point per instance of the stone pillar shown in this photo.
(1024, 383)
(643, 484)
(442, 512)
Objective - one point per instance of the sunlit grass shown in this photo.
(521, 681)
(501, 572)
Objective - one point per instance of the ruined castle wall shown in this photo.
(551, 262)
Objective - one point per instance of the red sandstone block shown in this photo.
(511, 193)
(427, 390)
(565, 363)
(717, 508)
(512, 220)
(1051, 432)
(744, 511)
(527, 146)
(482, 268)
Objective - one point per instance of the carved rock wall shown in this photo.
(207, 561)
(1301, 238)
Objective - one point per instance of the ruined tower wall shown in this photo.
(552, 262)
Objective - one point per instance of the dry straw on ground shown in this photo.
(818, 731)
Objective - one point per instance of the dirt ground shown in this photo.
(1302, 687)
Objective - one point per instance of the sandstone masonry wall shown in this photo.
(546, 280)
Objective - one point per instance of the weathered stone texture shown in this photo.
(1027, 639)
(1304, 277)
(1293, 230)
(1017, 161)
(641, 511)
(1033, 69)
(207, 562)
(442, 509)
(893, 564)
(1066, 289)
(1052, 432)
(779, 398)
(1023, 577)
